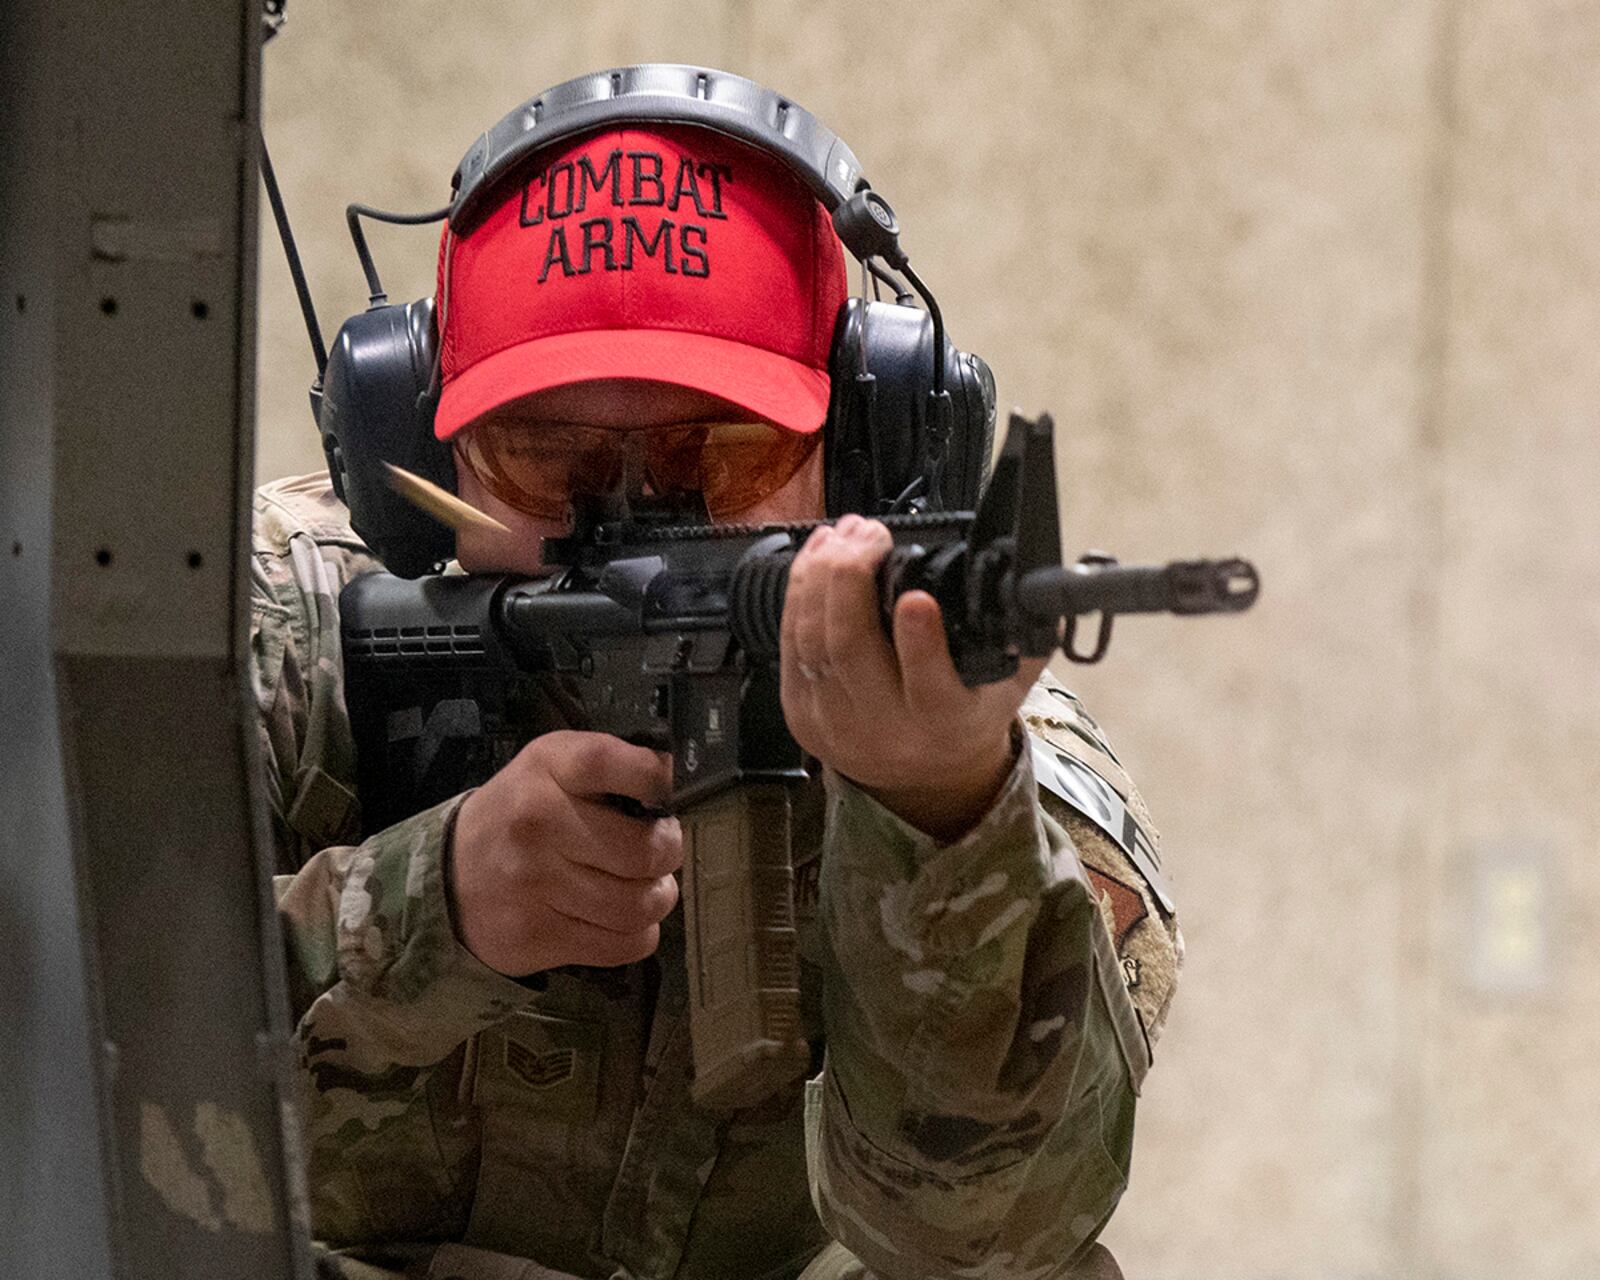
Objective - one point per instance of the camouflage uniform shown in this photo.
(989, 1008)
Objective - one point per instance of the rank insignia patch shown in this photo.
(540, 1070)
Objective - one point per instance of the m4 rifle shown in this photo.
(666, 634)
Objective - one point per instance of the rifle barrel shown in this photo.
(1183, 586)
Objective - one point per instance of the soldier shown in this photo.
(983, 967)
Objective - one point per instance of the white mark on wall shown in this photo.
(163, 1164)
(229, 1152)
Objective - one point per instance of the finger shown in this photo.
(1004, 697)
(622, 906)
(927, 672)
(591, 944)
(598, 764)
(801, 637)
(858, 652)
(622, 845)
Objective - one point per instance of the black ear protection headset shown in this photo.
(910, 421)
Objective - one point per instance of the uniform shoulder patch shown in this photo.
(1059, 770)
(1086, 789)
(1125, 903)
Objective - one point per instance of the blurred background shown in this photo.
(1316, 282)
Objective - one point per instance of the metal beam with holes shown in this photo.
(145, 1045)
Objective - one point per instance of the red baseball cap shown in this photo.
(667, 253)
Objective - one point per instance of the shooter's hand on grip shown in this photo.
(545, 871)
(894, 717)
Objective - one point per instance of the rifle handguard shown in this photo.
(756, 595)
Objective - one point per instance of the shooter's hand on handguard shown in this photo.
(893, 718)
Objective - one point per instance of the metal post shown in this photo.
(145, 1075)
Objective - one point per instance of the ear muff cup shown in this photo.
(876, 438)
(377, 407)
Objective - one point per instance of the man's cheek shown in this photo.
(483, 551)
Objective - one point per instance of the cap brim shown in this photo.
(772, 387)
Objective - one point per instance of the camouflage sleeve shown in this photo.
(381, 987)
(976, 1113)
(304, 552)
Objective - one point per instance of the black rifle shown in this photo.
(667, 635)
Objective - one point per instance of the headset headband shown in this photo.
(659, 93)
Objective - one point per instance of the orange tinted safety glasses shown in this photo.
(539, 467)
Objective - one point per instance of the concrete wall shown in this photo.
(1315, 281)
